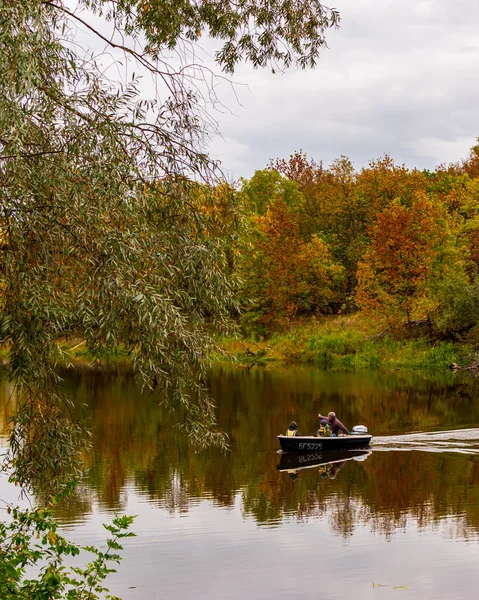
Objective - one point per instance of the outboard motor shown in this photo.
(359, 430)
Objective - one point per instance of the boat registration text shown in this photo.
(309, 446)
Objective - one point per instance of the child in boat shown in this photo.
(324, 429)
(292, 429)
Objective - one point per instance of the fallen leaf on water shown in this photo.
(379, 585)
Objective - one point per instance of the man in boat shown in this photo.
(334, 423)
(292, 429)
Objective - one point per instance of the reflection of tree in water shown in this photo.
(135, 446)
(341, 513)
(330, 470)
(46, 444)
(75, 506)
(393, 490)
(384, 493)
(177, 498)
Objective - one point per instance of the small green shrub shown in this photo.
(29, 540)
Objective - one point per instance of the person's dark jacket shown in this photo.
(336, 425)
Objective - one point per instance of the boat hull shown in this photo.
(308, 443)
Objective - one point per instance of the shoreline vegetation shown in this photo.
(347, 343)
(340, 342)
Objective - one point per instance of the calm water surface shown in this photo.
(401, 521)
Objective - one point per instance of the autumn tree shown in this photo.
(331, 208)
(410, 253)
(307, 175)
(349, 202)
(286, 275)
(382, 181)
(471, 165)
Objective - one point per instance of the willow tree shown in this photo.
(98, 234)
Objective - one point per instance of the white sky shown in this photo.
(400, 77)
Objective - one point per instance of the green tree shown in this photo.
(99, 237)
(267, 187)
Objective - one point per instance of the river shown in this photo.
(402, 519)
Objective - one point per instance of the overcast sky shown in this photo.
(399, 77)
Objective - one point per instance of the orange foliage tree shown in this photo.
(383, 181)
(299, 276)
(340, 204)
(411, 249)
(330, 208)
(471, 164)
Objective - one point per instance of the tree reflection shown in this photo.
(135, 446)
(46, 443)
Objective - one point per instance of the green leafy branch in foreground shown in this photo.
(104, 234)
(29, 542)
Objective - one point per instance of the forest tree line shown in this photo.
(399, 245)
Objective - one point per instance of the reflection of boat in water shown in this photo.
(309, 443)
(296, 462)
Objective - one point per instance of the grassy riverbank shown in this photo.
(74, 352)
(343, 342)
(346, 343)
